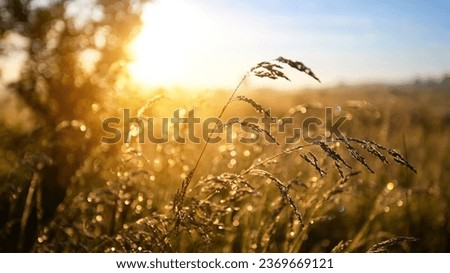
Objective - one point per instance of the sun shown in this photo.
(162, 53)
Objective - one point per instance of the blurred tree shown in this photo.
(74, 59)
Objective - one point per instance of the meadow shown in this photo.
(382, 186)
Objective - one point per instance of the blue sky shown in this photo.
(342, 41)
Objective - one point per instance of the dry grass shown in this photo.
(336, 196)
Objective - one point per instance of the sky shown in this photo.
(212, 43)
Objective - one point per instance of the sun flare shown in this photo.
(164, 50)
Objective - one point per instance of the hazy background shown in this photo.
(212, 43)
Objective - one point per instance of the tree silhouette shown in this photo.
(75, 58)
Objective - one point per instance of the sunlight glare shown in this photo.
(163, 52)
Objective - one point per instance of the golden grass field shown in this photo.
(242, 197)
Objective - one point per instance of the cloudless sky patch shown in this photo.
(342, 41)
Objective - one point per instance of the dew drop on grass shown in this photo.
(171, 163)
(159, 148)
(140, 164)
(390, 186)
(95, 107)
(257, 149)
(104, 148)
(157, 165)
